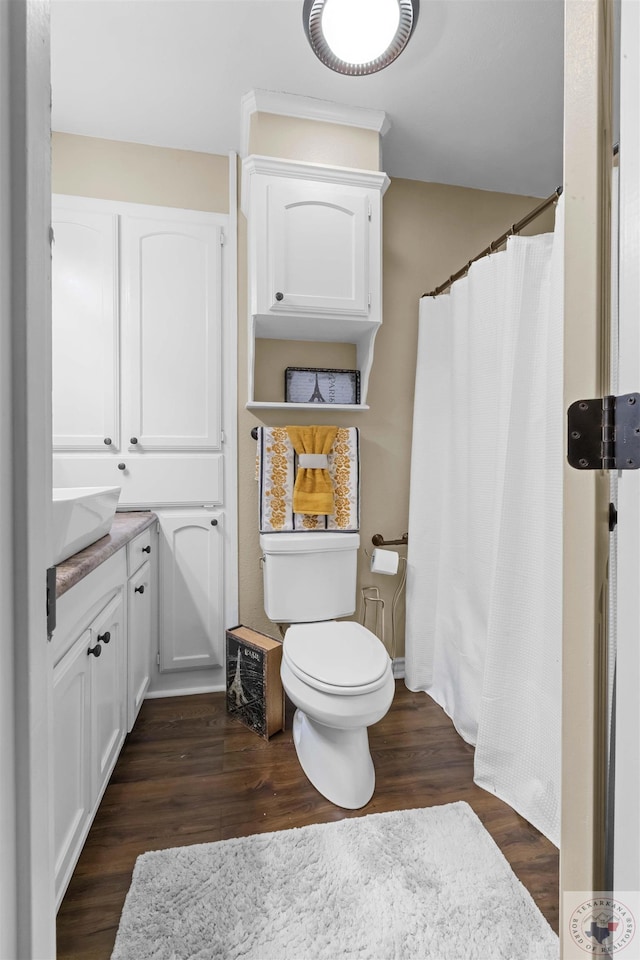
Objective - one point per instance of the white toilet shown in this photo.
(338, 674)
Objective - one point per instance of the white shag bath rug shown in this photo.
(409, 885)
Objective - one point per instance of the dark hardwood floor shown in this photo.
(189, 774)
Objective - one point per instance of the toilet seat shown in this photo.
(338, 657)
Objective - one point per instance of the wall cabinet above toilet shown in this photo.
(315, 257)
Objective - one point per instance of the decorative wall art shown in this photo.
(321, 385)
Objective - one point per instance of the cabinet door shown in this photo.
(71, 756)
(172, 312)
(139, 616)
(108, 697)
(191, 590)
(317, 249)
(85, 329)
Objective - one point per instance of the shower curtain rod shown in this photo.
(513, 229)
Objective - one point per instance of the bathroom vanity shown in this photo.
(100, 657)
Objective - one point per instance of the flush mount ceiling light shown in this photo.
(358, 37)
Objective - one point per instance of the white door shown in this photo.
(108, 699)
(72, 789)
(85, 328)
(139, 619)
(318, 242)
(172, 315)
(191, 590)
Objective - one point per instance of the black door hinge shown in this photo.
(604, 434)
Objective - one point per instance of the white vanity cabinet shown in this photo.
(315, 256)
(191, 589)
(101, 654)
(108, 689)
(89, 698)
(72, 758)
(139, 596)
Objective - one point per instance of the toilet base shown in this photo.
(336, 761)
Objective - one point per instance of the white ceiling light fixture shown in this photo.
(359, 37)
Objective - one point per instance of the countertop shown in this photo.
(125, 527)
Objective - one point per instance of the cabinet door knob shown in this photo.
(279, 296)
(108, 441)
(104, 637)
(122, 466)
(96, 651)
(133, 440)
(139, 589)
(214, 523)
(146, 549)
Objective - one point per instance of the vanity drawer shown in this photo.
(138, 551)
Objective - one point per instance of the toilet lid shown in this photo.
(336, 653)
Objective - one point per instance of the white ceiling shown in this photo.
(475, 100)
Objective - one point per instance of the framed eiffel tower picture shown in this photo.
(254, 688)
(321, 385)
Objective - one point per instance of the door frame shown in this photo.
(626, 845)
(27, 905)
(588, 150)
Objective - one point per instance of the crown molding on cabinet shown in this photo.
(304, 170)
(307, 108)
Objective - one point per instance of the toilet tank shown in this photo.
(309, 576)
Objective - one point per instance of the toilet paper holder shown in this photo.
(379, 541)
(372, 595)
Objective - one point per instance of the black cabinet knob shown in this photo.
(96, 651)
(279, 296)
(122, 466)
(133, 440)
(214, 523)
(139, 589)
(146, 549)
(108, 441)
(104, 637)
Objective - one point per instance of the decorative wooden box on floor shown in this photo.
(254, 688)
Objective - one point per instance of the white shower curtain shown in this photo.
(484, 560)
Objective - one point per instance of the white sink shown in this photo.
(81, 515)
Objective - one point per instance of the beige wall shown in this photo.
(137, 173)
(271, 135)
(429, 232)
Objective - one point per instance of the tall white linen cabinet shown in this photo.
(143, 400)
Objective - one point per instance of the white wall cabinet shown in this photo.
(315, 257)
(86, 393)
(137, 344)
(172, 318)
(191, 593)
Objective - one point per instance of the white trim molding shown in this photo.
(27, 907)
(307, 108)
